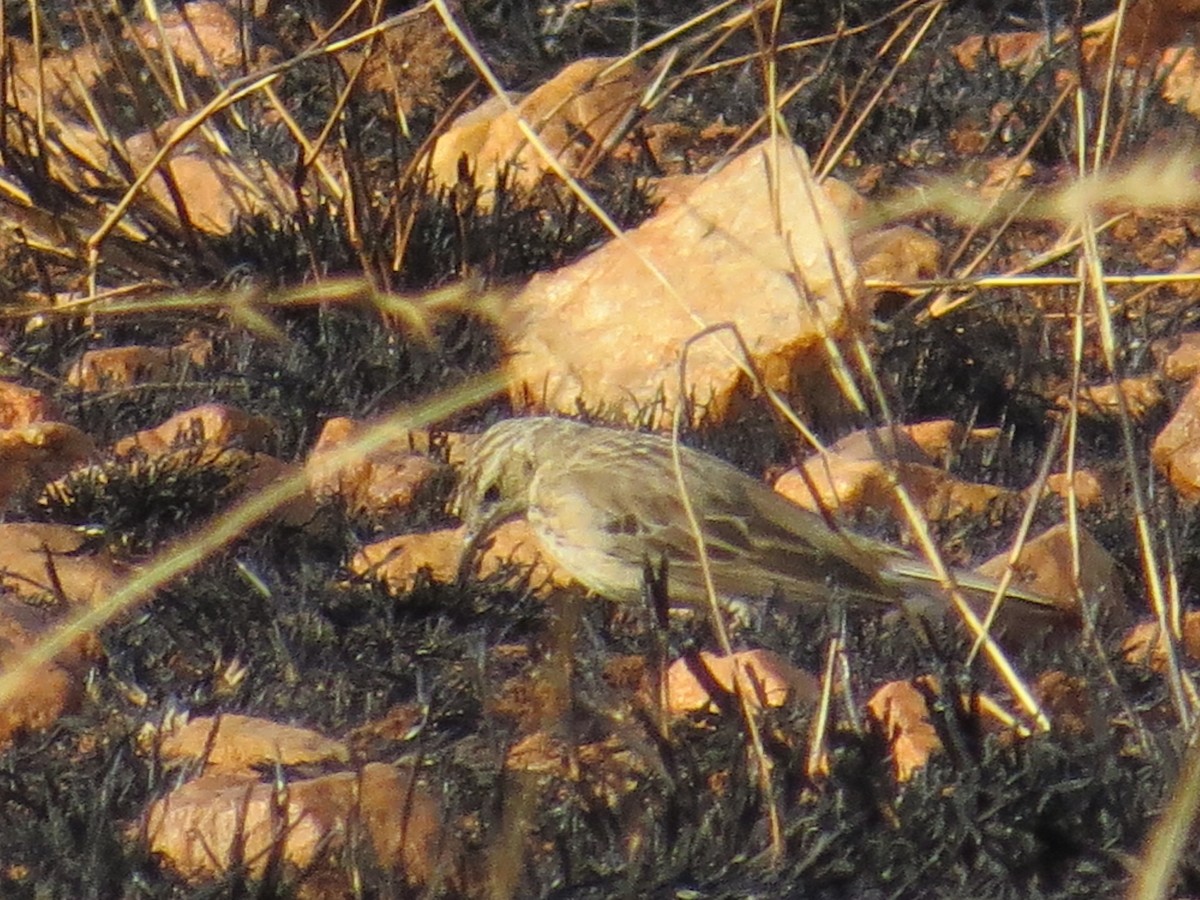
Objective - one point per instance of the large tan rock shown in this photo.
(606, 333)
(218, 822)
(114, 367)
(1178, 357)
(214, 191)
(37, 453)
(857, 473)
(764, 678)
(212, 426)
(378, 484)
(576, 110)
(235, 743)
(201, 34)
(20, 405)
(51, 689)
(1139, 396)
(900, 712)
(1044, 567)
(1176, 450)
(41, 561)
(1145, 644)
(397, 562)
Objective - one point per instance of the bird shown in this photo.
(604, 504)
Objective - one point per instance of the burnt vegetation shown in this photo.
(1057, 815)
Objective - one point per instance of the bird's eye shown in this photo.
(492, 494)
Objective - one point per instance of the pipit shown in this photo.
(605, 504)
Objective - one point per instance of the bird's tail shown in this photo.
(978, 590)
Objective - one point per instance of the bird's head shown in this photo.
(500, 464)
(494, 483)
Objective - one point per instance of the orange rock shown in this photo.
(336, 431)
(1176, 450)
(679, 148)
(609, 769)
(213, 426)
(1089, 491)
(21, 406)
(37, 560)
(216, 199)
(209, 825)
(578, 109)
(628, 674)
(1145, 644)
(34, 454)
(885, 253)
(900, 710)
(201, 34)
(854, 486)
(58, 75)
(938, 441)
(49, 445)
(540, 753)
(605, 333)
(377, 484)
(897, 253)
(1179, 358)
(397, 561)
(80, 143)
(969, 135)
(234, 743)
(1045, 567)
(1142, 395)
(399, 724)
(942, 439)
(1179, 72)
(1014, 49)
(894, 444)
(538, 694)
(213, 192)
(765, 679)
(54, 688)
(1067, 700)
(195, 348)
(900, 253)
(513, 545)
(1004, 174)
(116, 367)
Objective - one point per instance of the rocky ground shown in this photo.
(269, 270)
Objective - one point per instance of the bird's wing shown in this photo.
(788, 538)
(757, 542)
